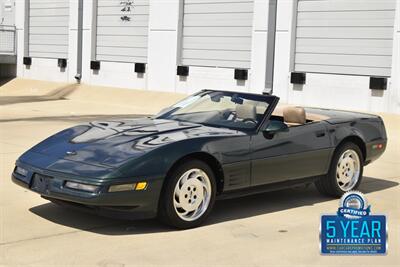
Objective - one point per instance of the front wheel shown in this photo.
(345, 172)
(188, 196)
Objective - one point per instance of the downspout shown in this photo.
(78, 75)
(269, 75)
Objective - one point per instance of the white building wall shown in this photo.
(257, 72)
(164, 55)
(7, 34)
(283, 47)
(164, 26)
(394, 88)
(7, 12)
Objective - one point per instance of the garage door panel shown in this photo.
(116, 10)
(209, 8)
(48, 48)
(219, 19)
(49, 12)
(344, 60)
(345, 23)
(345, 5)
(110, 21)
(216, 63)
(216, 43)
(341, 49)
(129, 31)
(121, 51)
(124, 58)
(44, 39)
(357, 34)
(347, 15)
(37, 4)
(217, 40)
(217, 33)
(108, 40)
(360, 43)
(345, 32)
(48, 28)
(46, 54)
(320, 68)
(345, 50)
(240, 32)
(105, 3)
(46, 21)
(216, 54)
(214, 1)
(122, 31)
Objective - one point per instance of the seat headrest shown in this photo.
(246, 111)
(294, 115)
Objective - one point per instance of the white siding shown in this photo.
(121, 40)
(217, 33)
(7, 30)
(345, 36)
(48, 28)
(7, 12)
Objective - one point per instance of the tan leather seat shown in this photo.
(309, 115)
(294, 116)
(246, 112)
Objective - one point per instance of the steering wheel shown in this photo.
(249, 120)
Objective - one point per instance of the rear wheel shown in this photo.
(188, 196)
(345, 173)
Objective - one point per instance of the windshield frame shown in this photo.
(271, 100)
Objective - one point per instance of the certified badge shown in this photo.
(353, 230)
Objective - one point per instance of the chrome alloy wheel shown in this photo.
(348, 170)
(192, 195)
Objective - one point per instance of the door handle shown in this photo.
(320, 134)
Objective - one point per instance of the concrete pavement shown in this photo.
(278, 228)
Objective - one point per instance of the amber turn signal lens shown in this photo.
(141, 186)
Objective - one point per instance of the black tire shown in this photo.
(166, 209)
(328, 185)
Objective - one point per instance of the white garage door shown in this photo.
(122, 30)
(345, 36)
(48, 28)
(217, 33)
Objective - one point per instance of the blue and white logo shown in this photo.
(353, 230)
(353, 205)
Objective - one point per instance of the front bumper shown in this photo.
(127, 204)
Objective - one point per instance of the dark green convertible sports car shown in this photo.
(214, 144)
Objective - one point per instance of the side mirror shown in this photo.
(275, 127)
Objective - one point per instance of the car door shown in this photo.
(235, 153)
(297, 152)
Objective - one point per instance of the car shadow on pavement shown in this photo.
(224, 210)
(254, 205)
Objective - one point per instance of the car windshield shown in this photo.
(220, 109)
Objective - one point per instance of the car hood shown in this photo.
(111, 143)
